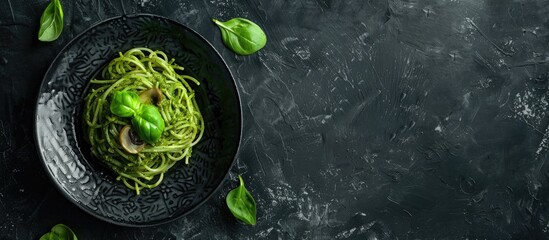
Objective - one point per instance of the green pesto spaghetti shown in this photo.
(139, 162)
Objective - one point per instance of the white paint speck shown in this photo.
(527, 111)
(438, 129)
(346, 233)
(142, 2)
(303, 53)
(287, 40)
(466, 99)
(265, 233)
(531, 108)
(363, 37)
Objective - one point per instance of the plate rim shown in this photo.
(54, 180)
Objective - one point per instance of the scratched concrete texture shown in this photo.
(398, 119)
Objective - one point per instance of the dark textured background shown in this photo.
(398, 119)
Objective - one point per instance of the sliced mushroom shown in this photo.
(151, 96)
(129, 140)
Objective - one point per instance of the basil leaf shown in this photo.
(148, 124)
(125, 104)
(51, 22)
(241, 35)
(59, 232)
(242, 204)
(147, 120)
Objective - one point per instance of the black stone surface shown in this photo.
(363, 120)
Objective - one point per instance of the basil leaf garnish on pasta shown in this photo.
(138, 70)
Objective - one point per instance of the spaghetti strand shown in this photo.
(140, 69)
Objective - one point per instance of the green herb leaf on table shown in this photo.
(242, 204)
(59, 232)
(51, 22)
(125, 104)
(241, 35)
(148, 123)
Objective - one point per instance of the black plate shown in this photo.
(66, 157)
